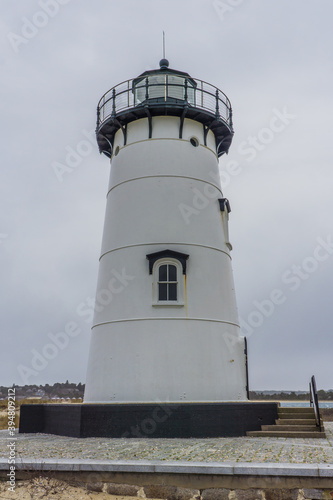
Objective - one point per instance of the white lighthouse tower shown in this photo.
(165, 326)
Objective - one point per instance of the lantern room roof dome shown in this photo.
(164, 68)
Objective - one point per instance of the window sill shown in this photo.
(168, 303)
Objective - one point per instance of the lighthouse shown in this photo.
(165, 327)
(166, 359)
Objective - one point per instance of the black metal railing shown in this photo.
(314, 401)
(246, 369)
(159, 87)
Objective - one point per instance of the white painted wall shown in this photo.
(163, 194)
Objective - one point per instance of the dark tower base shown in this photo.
(164, 420)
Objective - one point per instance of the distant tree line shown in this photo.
(77, 391)
(58, 389)
(290, 396)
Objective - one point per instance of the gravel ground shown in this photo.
(239, 449)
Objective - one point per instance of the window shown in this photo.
(168, 270)
(167, 282)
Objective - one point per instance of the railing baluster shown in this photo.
(230, 119)
(128, 93)
(113, 102)
(217, 111)
(98, 120)
(147, 88)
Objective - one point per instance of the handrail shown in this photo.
(195, 93)
(247, 388)
(314, 401)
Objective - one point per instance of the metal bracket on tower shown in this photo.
(218, 146)
(123, 129)
(107, 153)
(205, 132)
(181, 124)
(150, 123)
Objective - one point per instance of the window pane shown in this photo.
(172, 273)
(162, 291)
(176, 87)
(173, 291)
(162, 273)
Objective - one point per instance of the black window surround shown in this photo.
(164, 254)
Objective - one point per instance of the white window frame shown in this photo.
(180, 283)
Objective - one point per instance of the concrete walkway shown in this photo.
(43, 447)
(174, 467)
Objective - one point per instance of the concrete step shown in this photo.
(292, 423)
(295, 410)
(298, 428)
(295, 421)
(296, 415)
(287, 434)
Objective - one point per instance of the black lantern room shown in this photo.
(159, 92)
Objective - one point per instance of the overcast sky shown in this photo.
(274, 61)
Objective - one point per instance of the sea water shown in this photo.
(304, 404)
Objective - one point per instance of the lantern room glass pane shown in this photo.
(164, 86)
